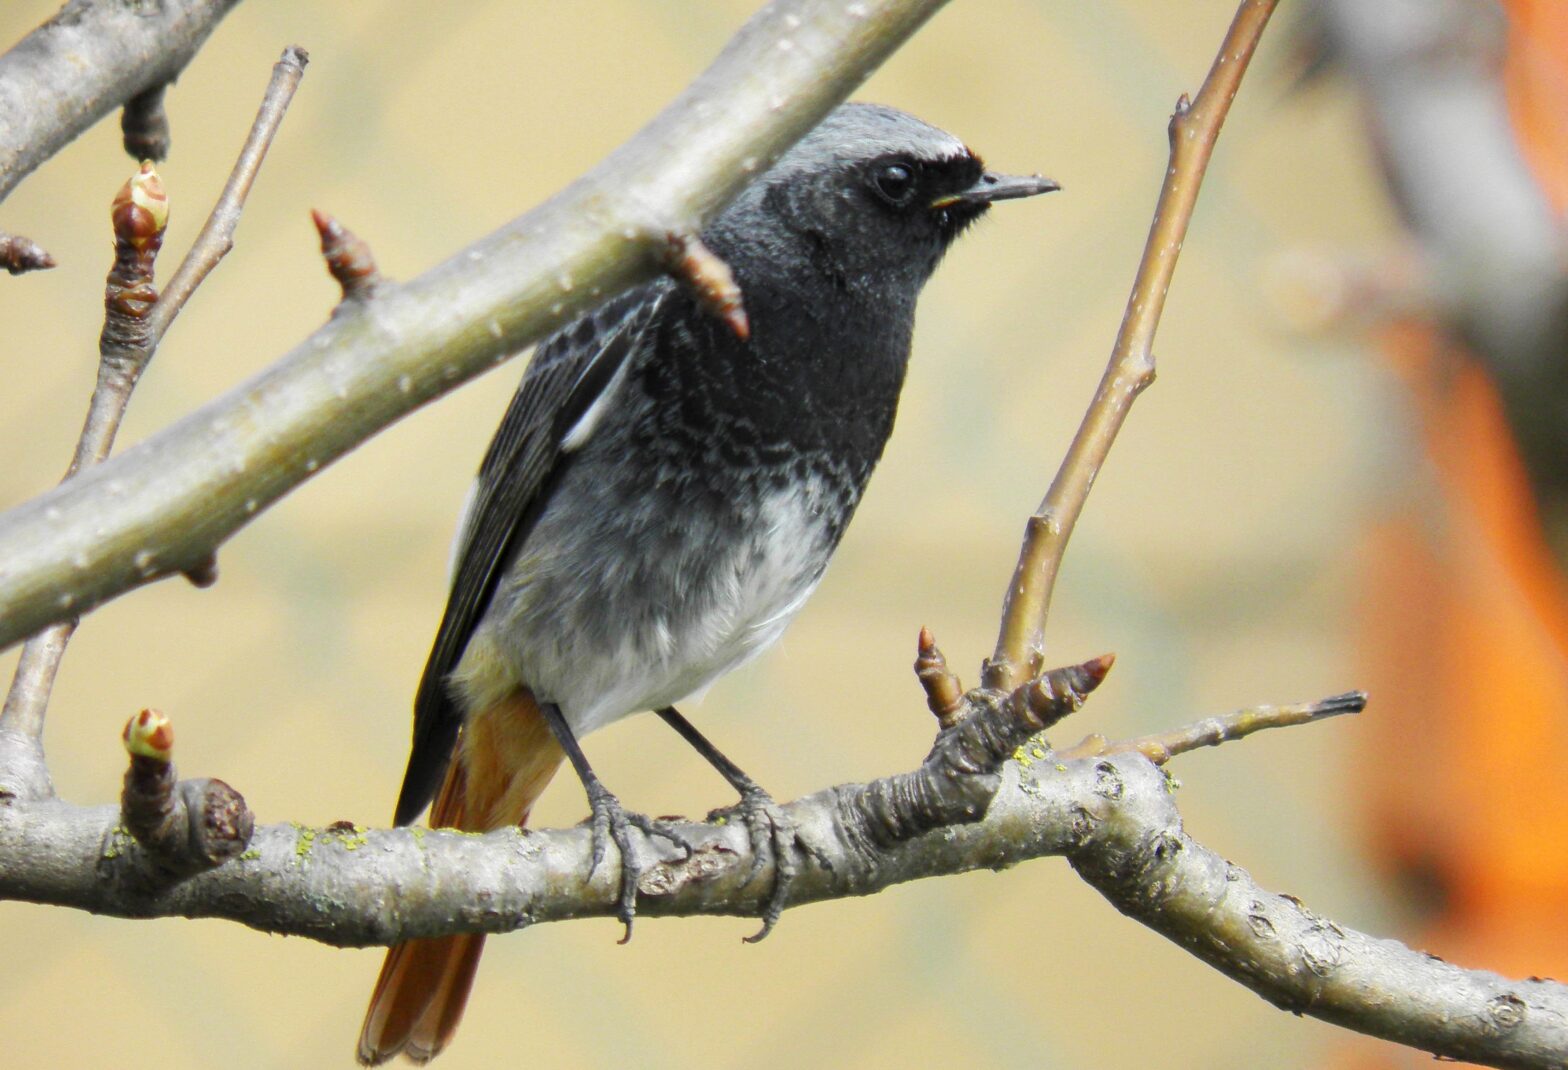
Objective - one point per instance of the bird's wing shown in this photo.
(550, 415)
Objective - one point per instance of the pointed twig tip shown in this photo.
(1335, 705)
(1095, 670)
(348, 257)
(944, 692)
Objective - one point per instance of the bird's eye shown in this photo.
(894, 183)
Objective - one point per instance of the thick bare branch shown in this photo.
(1114, 818)
(1194, 129)
(88, 60)
(180, 494)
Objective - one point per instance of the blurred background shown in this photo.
(1311, 499)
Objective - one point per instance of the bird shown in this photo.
(661, 498)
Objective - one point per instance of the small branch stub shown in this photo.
(944, 693)
(709, 279)
(348, 257)
(203, 573)
(19, 255)
(144, 125)
(185, 826)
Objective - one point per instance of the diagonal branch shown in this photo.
(186, 490)
(1194, 129)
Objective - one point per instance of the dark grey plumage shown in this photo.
(662, 496)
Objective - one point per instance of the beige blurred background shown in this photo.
(1213, 557)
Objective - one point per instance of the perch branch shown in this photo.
(1194, 129)
(1113, 817)
(178, 495)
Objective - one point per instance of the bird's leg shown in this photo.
(766, 822)
(610, 819)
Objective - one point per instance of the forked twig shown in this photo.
(1193, 130)
(135, 320)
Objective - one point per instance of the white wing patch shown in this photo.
(580, 432)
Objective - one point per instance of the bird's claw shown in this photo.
(611, 821)
(774, 835)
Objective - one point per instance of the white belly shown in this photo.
(636, 630)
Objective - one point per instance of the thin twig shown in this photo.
(138, 214)
(1193, 130)
(144, 125)
(217, 234)
(135, 320)
(1161, 747)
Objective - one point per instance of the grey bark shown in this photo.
(1114, 818)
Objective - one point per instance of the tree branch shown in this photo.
(180, 494)
(88, 60)
(1114, 818)
(1194, 128)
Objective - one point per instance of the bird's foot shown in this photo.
(773, 835)
(612, 822)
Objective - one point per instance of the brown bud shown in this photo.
(944, 694)
(1046, 699)
(140, 211)
(149, 735)
(348, 257)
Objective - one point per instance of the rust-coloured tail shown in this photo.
(505, 758)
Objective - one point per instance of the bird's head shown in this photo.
(873, 196)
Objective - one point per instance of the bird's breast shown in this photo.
(630, 597)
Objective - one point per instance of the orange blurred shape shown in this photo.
(1466, 635)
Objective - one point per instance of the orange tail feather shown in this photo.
(506, 757)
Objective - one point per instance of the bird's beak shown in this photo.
(995, 187)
